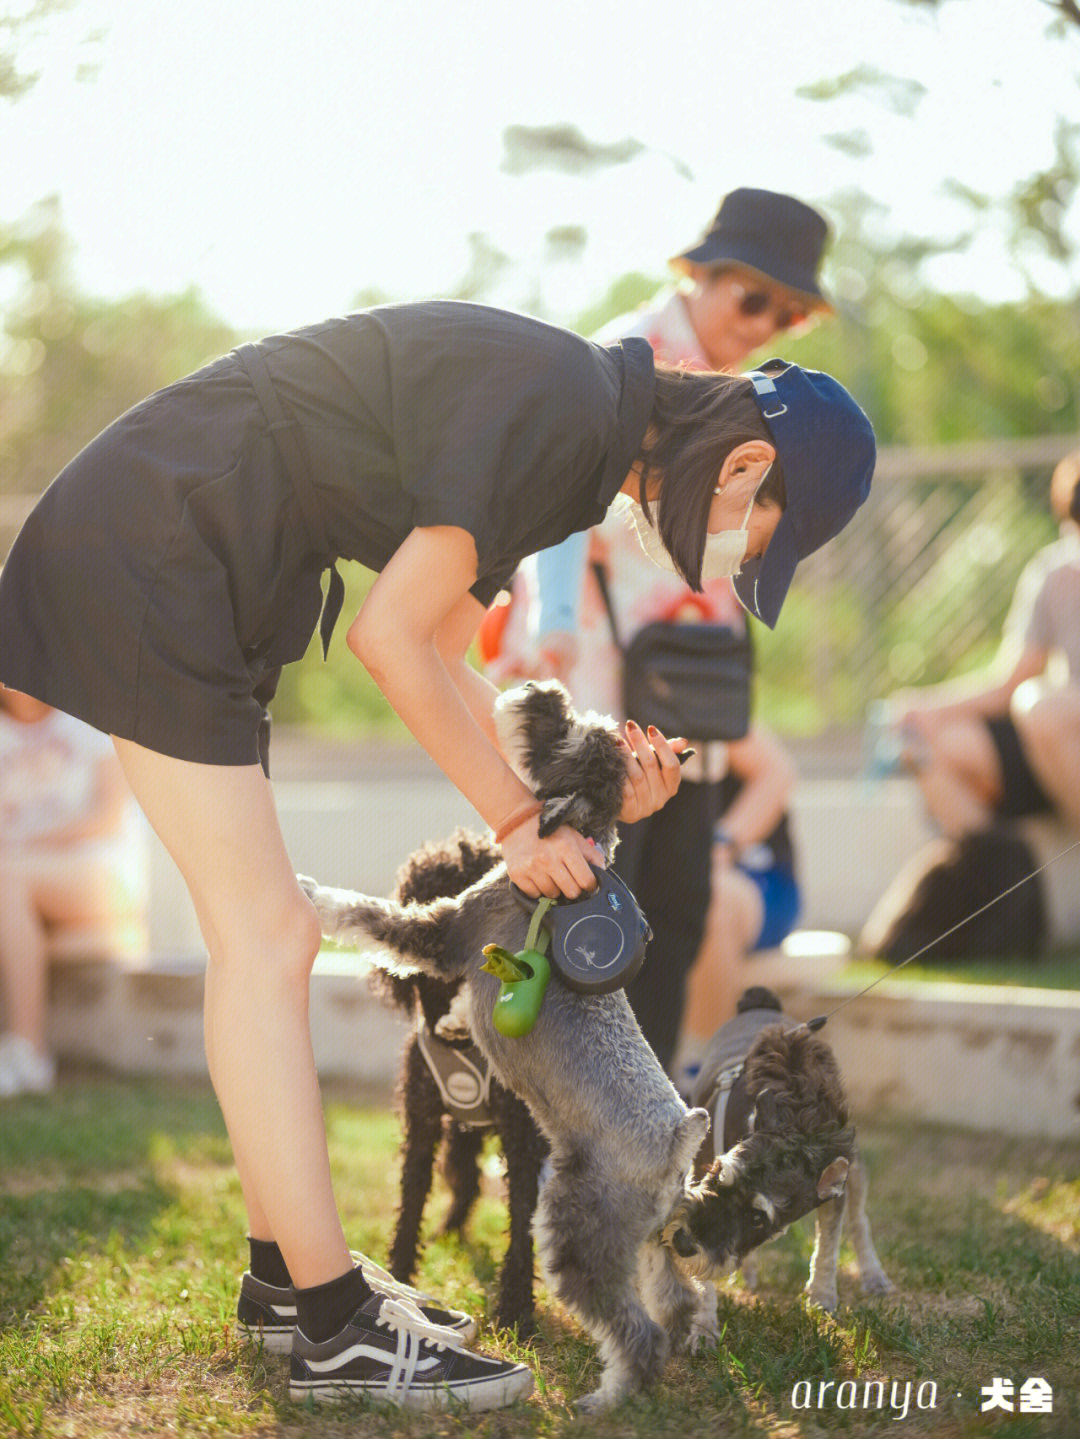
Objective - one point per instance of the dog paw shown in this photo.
(308, 885)
(702, 1338)
(822, 1297)
(748, 1272)
(876, 1281)
(595, 1403)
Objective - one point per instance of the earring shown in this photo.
(720, 489)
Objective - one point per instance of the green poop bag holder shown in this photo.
(597, 946)
(524, 977)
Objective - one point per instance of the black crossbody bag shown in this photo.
(686, 679)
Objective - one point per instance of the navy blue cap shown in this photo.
(826, 448)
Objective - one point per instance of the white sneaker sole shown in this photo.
(272, 1341)
(472, 1394)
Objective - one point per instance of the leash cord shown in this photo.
(537, 938)
(821, 1019)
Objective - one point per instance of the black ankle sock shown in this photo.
(324, 1310)
(267, 1263)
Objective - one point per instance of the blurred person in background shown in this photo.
(1004, 742)
(755, 897)
(69, 857)
(752, 277)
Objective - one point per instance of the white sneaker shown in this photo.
(23, 1067)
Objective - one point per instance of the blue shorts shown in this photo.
(782, 901)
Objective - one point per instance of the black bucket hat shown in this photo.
(776, 235)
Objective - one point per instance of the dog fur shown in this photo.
(441, 871)
(798, 1156)
(622, 1141)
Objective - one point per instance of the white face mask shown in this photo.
(724, 552)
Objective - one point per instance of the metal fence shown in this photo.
(917, 587)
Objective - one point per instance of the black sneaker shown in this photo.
(383, 1353)
(266, 1314)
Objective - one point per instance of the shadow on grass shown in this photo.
(77, 1173)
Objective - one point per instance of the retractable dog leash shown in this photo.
(598, 940)
(597, 946)
(820, 1020)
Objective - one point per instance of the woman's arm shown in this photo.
(423, 590)
(768, 774)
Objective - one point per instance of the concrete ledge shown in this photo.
(986, 1056)
(147, 1018)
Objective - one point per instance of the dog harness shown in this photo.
(731, 1115)
(730, 1118)
(462, 1075)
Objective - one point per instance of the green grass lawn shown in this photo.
(121, 1243)
(1055, 971)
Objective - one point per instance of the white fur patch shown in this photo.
(765, 1204)
(730, 1168)
(509, 729)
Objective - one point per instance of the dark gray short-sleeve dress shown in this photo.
(175, 564)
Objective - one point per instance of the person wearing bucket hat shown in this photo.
(777, 237)
(753, 275)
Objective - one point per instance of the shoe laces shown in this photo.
(412, 1335)
(401, 1316)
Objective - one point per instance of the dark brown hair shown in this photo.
(697, 420)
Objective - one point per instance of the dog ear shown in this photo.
(764, 1114)
(832, 1179)
(555, 812)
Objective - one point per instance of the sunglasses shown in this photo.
(756, 302)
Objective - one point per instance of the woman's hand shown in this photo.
(557, 865)
(652, 771)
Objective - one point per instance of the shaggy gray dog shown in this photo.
(776, 1102)
(622, 1141)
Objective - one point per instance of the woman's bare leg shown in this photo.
(219, 824)
(41, 885)
(258, 1224)
(961, 780)
(22, 957)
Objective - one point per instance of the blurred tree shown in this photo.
(20, 27)
(70, 364)
(1067, 12)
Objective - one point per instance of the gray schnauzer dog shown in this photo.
(774, 1096)
(622, 1141)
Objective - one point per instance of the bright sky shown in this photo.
(286, 156)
